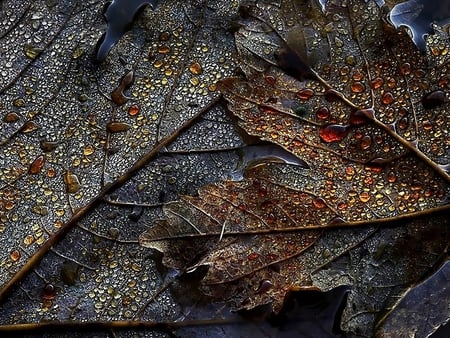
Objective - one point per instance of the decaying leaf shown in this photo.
(367, 111)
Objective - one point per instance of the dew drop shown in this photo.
(117, 127)
(11, 117)
(133, 110)
(434, 99)
(323, 113)
(270, 80)
(360, 116)
(31, 51)
(319, 203)
(164, 36)
(357, 87)
(403, 123)
(196, 68)
(333, 133)
(164, 49)
(391, 177)
(15, 255)
(28, 240)
(405, 68)
(49, 292)
(47, 146)
(28, 127)
(72, 182)
(377, 82)
(364, 197)
(366, 142)
(427, 125)
(37, 165)
(387, 98)
(88, 150)
(305, 94)
(264, 286)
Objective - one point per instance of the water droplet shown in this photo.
(405, 68)
(11, 117)
(403, 123)
(319, 203)
(47, 146)
(361, 116)
(164, 36)
(253, 256)
(391, 177)
(366, 142)
(28, 240)
(271, 80)
(194, 81)
(377, 82)
(49, 292)
(434, 99)
(164, 49)
(323, 113)
(31, 51)
(427, 125)
(117, 127)
(333, 133)
(196, 68)
(69, 272)
(133, 110)
(264, 286)
(37, 165)
(364, 197)
(15, 255)
(305, 94)
(28, 127)
(357, 87)
(72, 182)
(387, 98)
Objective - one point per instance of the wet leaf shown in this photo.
(368, 112)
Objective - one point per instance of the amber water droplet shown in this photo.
(47, 146)
(357, 87)
(49, 292)
(271, 80)
(72, 182)
(31, 51)
(427, 125)
(360, 116)
(28, 127)
(434, 99)
(305, 94)
(366, 142)
(364, 197)
(37, 165)
(164, 36)
(28, 240)
(196, 68)
(264, 286)
(11, 117)
(133, 110)
(391, 177)
(323, 113)
(253, 256)
(164, 49)
(117, 127)
(403, 123)
(333, 133)
(387, 98)
(405, 68)
(377, 83)
(15, 255)
(319, 203)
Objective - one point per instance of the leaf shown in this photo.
(73, 131)
(367, 111)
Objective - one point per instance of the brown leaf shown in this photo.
(362, 106)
